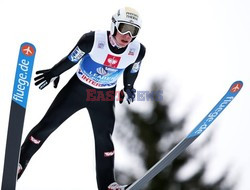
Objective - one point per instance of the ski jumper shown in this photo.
(100, 65)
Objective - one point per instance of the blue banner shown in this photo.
(215, 112)
(23, 74)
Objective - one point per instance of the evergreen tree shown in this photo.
(151, 132)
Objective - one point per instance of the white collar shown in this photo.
(113, 41)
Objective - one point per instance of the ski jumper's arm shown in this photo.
(83, 46)
(131, 72)
(129, 76)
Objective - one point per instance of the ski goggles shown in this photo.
(125, 28)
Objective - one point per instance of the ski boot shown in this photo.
(116, 186)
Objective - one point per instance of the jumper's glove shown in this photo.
(130, 92)
(45, 77)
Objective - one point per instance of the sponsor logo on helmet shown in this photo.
(131, 15)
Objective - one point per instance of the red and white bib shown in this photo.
(101, 68)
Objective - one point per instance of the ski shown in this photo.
(17, 114)
(194, 134)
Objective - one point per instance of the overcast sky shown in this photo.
(199, 47)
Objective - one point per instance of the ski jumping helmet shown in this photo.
(126, 20)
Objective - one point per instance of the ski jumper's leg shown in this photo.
(69, 100)
(103, 118)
